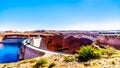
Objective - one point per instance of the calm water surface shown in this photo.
(9, 53)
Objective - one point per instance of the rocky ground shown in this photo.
(58, 60)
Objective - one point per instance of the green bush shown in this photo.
(68, 58)
(86, 53)
(41, 63)
(103, 52)
(51, 65)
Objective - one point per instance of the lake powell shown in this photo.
(9, 52)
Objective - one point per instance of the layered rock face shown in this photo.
(58, 42)
(73, 43)
(70, 43)
(111, 41)
(53, 42)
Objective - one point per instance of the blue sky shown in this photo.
(59, 14)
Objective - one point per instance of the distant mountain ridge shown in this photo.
(105, 30)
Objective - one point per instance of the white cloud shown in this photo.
(17, 26)
(106, 25)
(110, 25)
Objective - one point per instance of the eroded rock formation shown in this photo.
(58, 42)
(111, 41)
(73, 43)
(53, 42)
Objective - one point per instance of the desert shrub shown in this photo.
(32, 60)
(5, 65)
(41, 63)
(102, 51)
(86, 53)
(23, 62)
(113, 62)
(51, 65)
(68, 58)
(110, 51)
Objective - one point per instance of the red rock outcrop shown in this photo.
(111, 41)
(53, 42)
(57, 42)
(73, 43)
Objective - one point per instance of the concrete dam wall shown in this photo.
(31, 53)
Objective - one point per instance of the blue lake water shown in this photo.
(9, 53)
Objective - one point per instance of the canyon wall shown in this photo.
(72, 43)
(69, 44)
(53, 42)
(58, 42)
(109, 40)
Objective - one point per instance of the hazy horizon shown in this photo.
(26, 15)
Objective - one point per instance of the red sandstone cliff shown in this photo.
(53, 42)
(73, 43)
(58, 42)
(107, 40)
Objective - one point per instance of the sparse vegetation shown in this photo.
(6, 65)
(41, 63)
(51, 65)
(86, 53)
(23, 62)
(68, 58)
(32, 60)
(113, 62)
(102, 51)
(110, 51)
